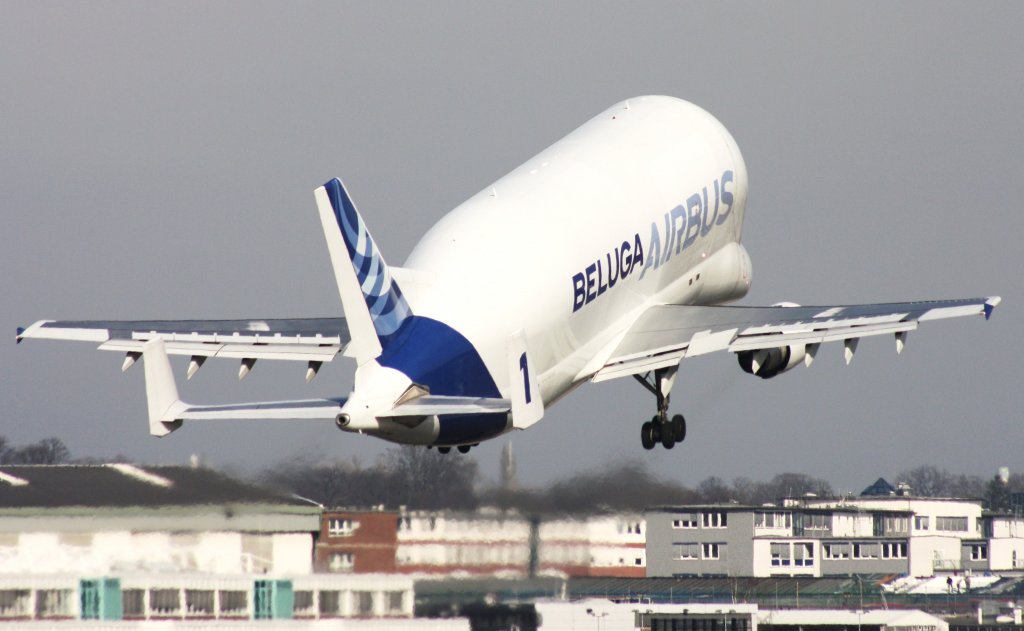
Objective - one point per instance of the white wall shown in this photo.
(124, 551)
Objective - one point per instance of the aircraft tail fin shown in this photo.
(373, 303)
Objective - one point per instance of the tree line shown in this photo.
(46, 451)
(419, 478)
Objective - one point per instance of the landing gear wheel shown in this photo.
(647, 435)
(463, 449)
(679, 427)
(668, 436)
(444, 450)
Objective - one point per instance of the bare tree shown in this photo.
(46, 451)
(426, 478)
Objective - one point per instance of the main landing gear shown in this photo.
(463, 449)
(661, 428)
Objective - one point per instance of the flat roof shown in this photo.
(127, 485)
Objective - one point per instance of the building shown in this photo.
(97, 520)
(884, 534)
(490, 542)
(360, 541)
(725, 616)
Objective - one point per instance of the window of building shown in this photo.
(837, 550)
(163, 602)
(133, 603)
(711, 550)
(329, 602)
(893, 524)
(803, 554)
(233, 602)
(687, 520)
(15, 603)
(638, 561)
(395, 602)
(894, 550)
(765, 519)
(920, 523)
(951, 524)
(686, 551)
(342, 561)
(199, 602)
(363, 603)
(780, 554)
(715, 520)
(633, 528)
(816, 521)
(865, 550)
(979, 552)
(302, 603)
(54, 603)
(338, 527)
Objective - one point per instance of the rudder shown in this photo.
(373, 302)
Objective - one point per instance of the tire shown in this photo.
(647, 435)
(444, 450)
(668, 436)
(679, 427)
(463, 449)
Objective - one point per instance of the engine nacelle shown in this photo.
(769, 362)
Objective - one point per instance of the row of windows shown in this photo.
(798, 554)
(773, 520)
(707, 520)
(893, 524)
(695, 551)
(819, 521)
(954, 524)
(341, 527)
(951, 524)
(865, 550)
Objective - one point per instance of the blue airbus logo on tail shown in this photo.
(388, 308)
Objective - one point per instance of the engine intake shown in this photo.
(770, 362)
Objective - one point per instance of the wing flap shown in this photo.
(665, 334)
(305, 339)
(835, 334)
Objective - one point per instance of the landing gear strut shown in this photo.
(661, 428)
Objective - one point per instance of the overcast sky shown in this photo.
(157, 160)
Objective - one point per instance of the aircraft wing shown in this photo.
(665, 334)
(314, 340)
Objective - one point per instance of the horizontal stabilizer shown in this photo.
(167, 411)
(433, 405)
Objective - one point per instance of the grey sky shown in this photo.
(158, 160)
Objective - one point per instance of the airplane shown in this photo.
(612, 253)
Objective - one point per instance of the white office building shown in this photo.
(833, 536)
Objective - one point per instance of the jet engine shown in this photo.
(769, 362)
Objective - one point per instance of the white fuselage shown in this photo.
(540, 248)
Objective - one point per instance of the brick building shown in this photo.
(485, 542)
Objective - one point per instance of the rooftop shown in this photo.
(126, 485)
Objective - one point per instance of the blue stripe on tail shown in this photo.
(388, 308)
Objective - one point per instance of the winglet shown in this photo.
(991, 304)
(17, 337)
(161, 391)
